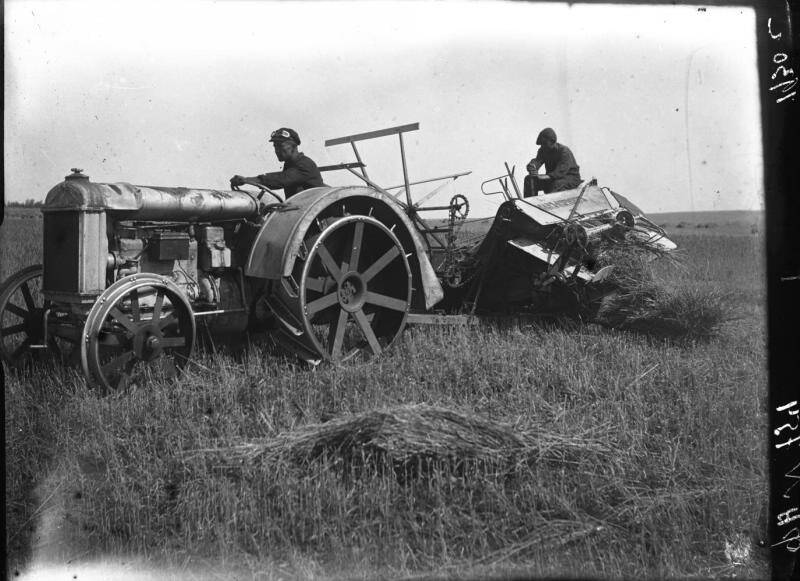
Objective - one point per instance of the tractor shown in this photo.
(132, 275)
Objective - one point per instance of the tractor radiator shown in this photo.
(75, 255)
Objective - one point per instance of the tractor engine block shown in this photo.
(196, 258)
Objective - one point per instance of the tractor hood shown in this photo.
(78, 193)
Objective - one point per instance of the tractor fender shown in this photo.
(279, 242)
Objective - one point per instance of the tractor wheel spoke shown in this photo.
(329, 262)
(380, 264)
(173, 342)
(135, 305)
(19, 311)
(316, 284)
(384, 301)
(369, 334)
(26, 294)
(355, 252)
(337, 334)
(12, 330)
(157, 305)
(322, 303)
(123, 320)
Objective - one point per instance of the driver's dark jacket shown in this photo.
(298, 174)
(560, 165)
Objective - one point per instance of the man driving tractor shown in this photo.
(561, 169)
(299, 172)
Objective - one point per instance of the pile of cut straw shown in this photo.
(411, 435)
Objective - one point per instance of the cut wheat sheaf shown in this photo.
(641, 303)
(413, 434)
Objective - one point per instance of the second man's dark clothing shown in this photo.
(560, 165)
(533, 184)
(297, 175)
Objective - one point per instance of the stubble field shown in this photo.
(639, 457)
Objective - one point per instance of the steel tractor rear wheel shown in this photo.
(142, 323)
(353, 294)
(22, 312)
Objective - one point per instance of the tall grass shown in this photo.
(639, 457)
(671, 465)
(20, 240)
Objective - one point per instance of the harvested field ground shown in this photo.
(558, 450)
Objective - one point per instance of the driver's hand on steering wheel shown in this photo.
(237, 181)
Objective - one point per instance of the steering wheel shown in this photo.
(263, 189)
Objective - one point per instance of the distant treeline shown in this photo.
(29, 203)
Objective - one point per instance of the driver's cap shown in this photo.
(285, 134)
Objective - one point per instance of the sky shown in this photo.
(660, 103)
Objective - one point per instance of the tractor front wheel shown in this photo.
(140, 324)
(23, 309)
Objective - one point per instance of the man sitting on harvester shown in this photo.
(299, 172)
(561, 169)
